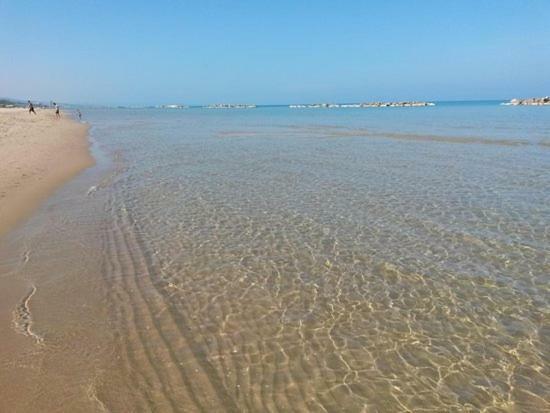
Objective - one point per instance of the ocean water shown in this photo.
(276, 259)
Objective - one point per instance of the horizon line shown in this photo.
(202, 105)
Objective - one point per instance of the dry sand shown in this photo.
(38, 153)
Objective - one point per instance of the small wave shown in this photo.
(26, 257)
(22, 317)
(91, 190)
(92, 395)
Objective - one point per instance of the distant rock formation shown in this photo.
(395, 104)
(530, 102)
(362, 105)
(230, 106)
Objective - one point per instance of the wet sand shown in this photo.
(38, 153)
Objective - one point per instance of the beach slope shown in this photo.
(38, 153)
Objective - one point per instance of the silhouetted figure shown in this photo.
(79, 114)
(31, 108)
(57, 115)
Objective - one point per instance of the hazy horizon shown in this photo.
(138, 53)
(201, 105)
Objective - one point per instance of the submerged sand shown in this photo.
(38, 153)
(308, 275)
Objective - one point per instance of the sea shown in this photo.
(299, 260)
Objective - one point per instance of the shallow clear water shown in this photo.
(380, 260)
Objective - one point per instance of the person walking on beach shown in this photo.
(57, 115)
(79, 114)
(31, 108)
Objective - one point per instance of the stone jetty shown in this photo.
(530, 102)
(362, 105)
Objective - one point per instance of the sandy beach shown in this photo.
(37, 155)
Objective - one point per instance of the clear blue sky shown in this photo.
(149, 52)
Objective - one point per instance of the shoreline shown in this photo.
(38, 154)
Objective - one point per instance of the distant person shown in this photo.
(79, 114)
(31, 108)
(57, 115)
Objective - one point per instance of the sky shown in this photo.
(273, 52)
